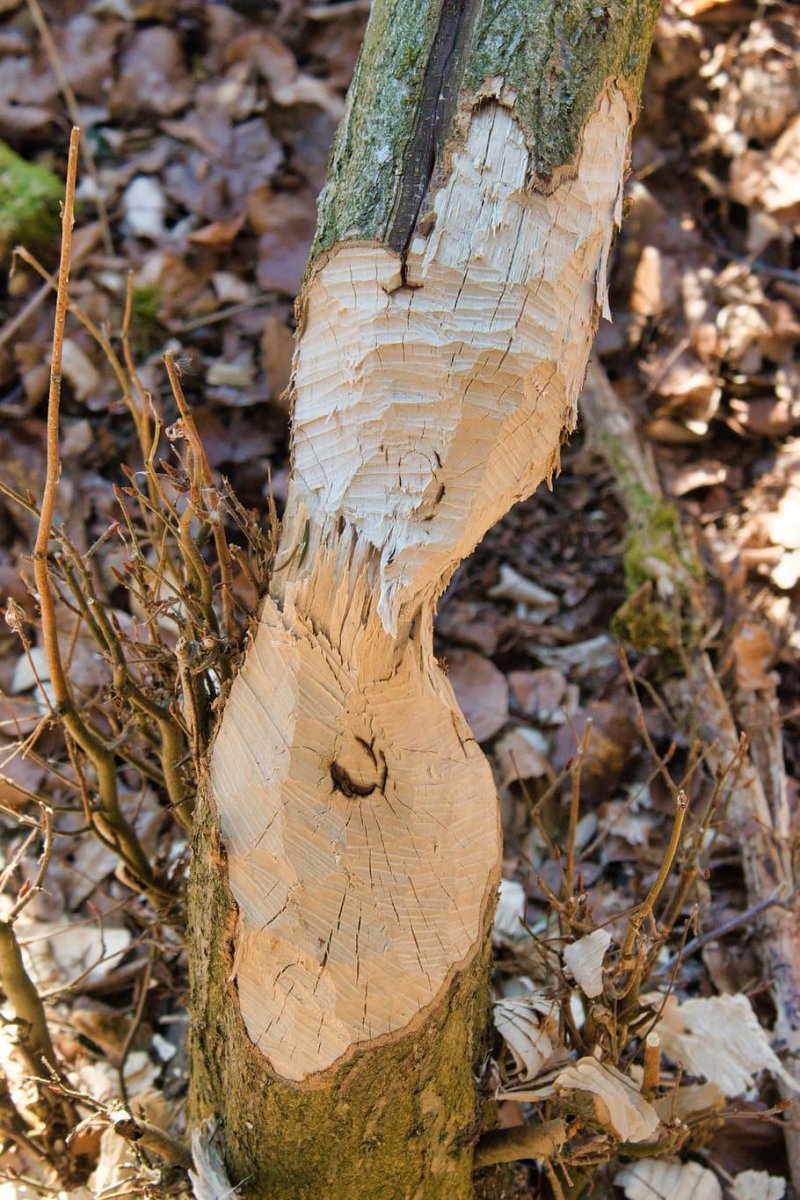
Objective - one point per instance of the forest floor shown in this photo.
(206, 129)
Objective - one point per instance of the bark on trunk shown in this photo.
(347, 846)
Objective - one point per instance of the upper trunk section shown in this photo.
(427, 63)
(432, 392)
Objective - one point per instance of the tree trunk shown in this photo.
(347, 849)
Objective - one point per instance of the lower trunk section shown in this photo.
(396, 1122)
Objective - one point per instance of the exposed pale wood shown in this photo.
(358, 814)
(423, 412)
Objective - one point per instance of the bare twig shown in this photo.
(53, 469)
(521, 1142)
(574, 807)
(215, 518)
(713, 935)
(643, 912)
(141, 1001)
(652, 1065)
(119, 832)
(27, 894)
(26, 1003)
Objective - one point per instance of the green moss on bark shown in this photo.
(656, 550)
(396, 1122)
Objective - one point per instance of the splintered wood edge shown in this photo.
(358, 814)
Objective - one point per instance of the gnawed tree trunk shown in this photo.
(348, 847)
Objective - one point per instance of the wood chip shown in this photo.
(515, 587)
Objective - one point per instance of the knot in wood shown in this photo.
(358, 769)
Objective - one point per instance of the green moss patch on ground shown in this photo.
(29, 202)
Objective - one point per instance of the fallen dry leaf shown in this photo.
(144, 205)
(20, 777)
(57, 954)
(115, 1170)
(278, 67)
(690, 1100)
(784, 527)
(510, 911)
(469, 624)
(481, 691)
(753, 652)
(656, 283)
(786, 572)
(285, 222)
(694, 475)
(79, 370)
(758, 1185)
(619, 1105)
(277, 348)
(209, 1178)
(743, 333)
(153, 78)
(584, 960)
(540, 694)
(668, 1179)
(218, 235)
(77, 437)
(767, 416)
(719, 1039)
(581, 657)
(781, 194)
(101, 1079)
(611, 740)
(522, 754)
(690, 388)
(528, 1026)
